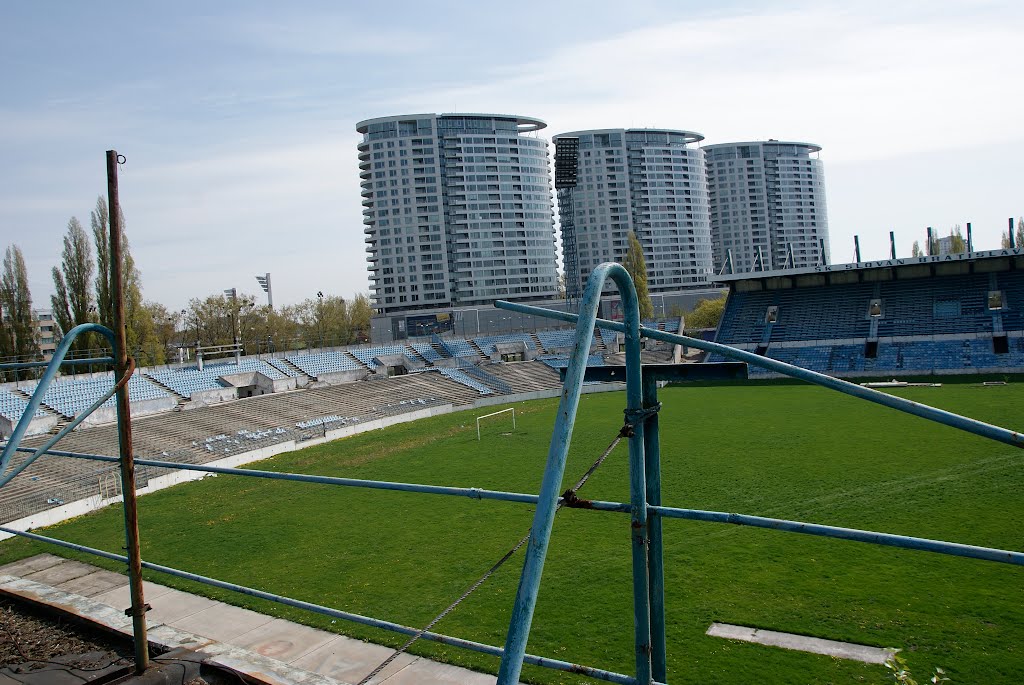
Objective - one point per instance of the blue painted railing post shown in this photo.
(543, 519)
(636, 416)
(655, 560)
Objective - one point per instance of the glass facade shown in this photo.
(768, 199)
(649, 181)
(457, 210)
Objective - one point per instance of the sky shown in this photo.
(237, 119)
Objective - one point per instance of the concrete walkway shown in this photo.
(245, 641)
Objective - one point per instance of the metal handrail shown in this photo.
(644, 507)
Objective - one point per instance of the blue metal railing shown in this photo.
(645, 507)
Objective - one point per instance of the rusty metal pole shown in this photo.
(124, 426)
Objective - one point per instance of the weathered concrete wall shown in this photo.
(37, 426)
(139, 408)
(205, 398)
(339, 377)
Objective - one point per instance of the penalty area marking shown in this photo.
(802, 643)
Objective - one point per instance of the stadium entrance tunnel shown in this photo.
(254, 383)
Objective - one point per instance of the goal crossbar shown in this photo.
(485, 416)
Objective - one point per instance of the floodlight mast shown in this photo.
(264, 282)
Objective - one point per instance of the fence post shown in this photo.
(124, 426)
(655, 558)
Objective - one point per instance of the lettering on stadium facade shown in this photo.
(1015, 252)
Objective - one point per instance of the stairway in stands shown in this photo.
(182, 400)
(300, 374)
(476, 348)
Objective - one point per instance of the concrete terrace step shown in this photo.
(245, 641)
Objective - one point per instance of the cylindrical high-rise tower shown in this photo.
(767, 196)
(457, 210)
(649, 181)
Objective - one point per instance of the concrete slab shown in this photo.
(283, 640)
(815, 645)
(171, 606)
(170, 637)
(426, 671)
(349, 660)
(97, 612)
(121, 597)
(265, 669)
(222, 622)
(94, 583)
(23, 567)
(60, 573)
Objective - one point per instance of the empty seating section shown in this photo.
(558, 339)
(488, 343)
(72, 396)
(367, 354)
(1013, 304)
(928, 325)
(317, 364)
(826, 313)
(282, 366)
(923, 356)
(608, 337)
(458, 347)
(189, 379)
(671, 325)
(427, 351)
(12, 406)
(950, 304)
(463, 378)
(743, 320)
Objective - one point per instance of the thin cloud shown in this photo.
(327, 35)
(864, 87)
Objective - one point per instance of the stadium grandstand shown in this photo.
(943, 314)
(248, 408)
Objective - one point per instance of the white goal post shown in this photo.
(486, 416)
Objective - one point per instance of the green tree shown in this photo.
(637, 268)
(72, 301)
(19, 336)
(360, 313)
(98, 222)
(915, 251)
(957, 244)
(324, 321)
(139, 327)
(1018, 238)
(706, 314)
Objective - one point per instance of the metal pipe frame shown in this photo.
(52, 367)
(645, 507)
(545, 662)
(654, 510)
(540, 531)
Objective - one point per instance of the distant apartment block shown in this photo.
(47, 329)
(768, 206)
(456, 210)
(652, 182)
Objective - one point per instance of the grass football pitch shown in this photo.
(786, 451)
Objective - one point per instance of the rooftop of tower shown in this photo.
(689, 136)
(811, 147)
(524, 124)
